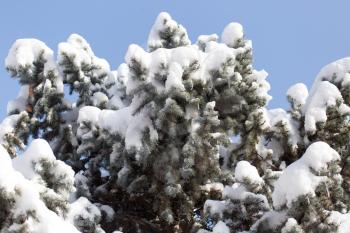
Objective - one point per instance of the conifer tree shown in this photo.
(40, 101)
(243, 203)
(34, 191)
(85, 74)
(240, 93)
(166, 142)
(332, 125)
(177, 139)
(167, 33)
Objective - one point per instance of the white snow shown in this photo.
(117, 91)
(99, 98)
(217, 54)
(258, 79)
(170, 63)
(115, 121)
(274, 219)
(235, 192)
(82, 208)
(38, 149)
(89, 114)
(232, 33)
(278, 116)
(203, 40)
(176, 61)
(20, 103)
(24, 52)
(297, 179)
(79, 50)
(298, 93)
(337, 71)
(216, 208)
(221, 227)
(323, 95)
(122, 73)
(289, 225)
(342, 220)
(29, 166)
(184, 56)
(129, 125)
(108, 211)
(238, 192)
(6, 180)
(174, 77)
(164, 21)
(7, 126)
(245, 171)
(264, 149)
(216, 187)
(136, 53)
(29, 199)
(80, 43)
(137, 124)
(346, 80)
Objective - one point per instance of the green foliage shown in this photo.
(164, 162)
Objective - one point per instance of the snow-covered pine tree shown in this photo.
(41, 111)
(86, 74)
(167, 33)
(89, 77)
(40, 102)
(331, 124)
(34, 191)
(150, 141)
(35, 195)
(14, 132)
(97, 88)
(243, 203)
(166, 141)
(306, 194)
(306, 197)
(321, 115)
(240, 93)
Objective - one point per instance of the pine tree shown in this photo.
(14, 132)
(321, 115)
(41, 111)
(177, 139)
(240, 93)
(87, 75)
(310, 198)
(243, 203)
(34, 191)
(333, 125)
(166, 142)
(167, 33)
(40, 101)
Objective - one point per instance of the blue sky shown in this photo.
(292, 40)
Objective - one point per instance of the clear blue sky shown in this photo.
(292, 40)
